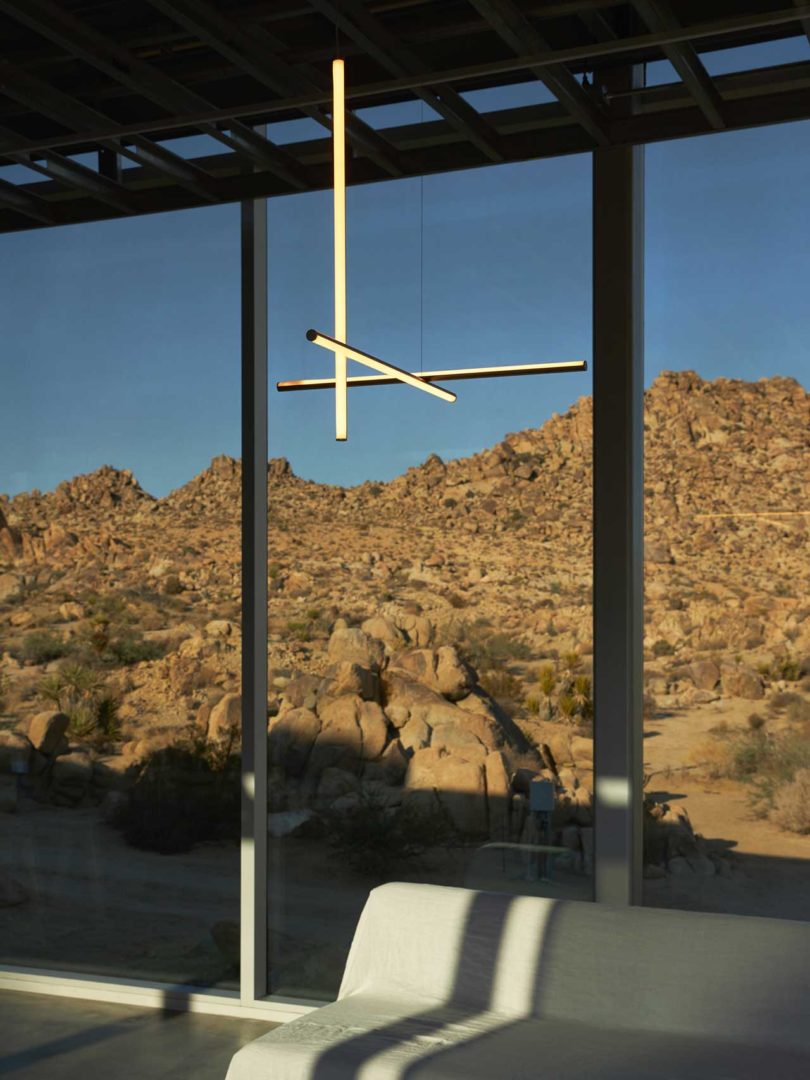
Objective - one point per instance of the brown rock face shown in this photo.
(738, 680)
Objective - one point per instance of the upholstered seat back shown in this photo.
(739, 978)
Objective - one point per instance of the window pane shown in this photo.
(430, 579)
(119, 611)
(727, 576)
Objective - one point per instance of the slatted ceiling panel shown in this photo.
(174, 79)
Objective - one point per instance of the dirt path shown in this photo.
(770, 867)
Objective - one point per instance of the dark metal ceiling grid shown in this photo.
(121, 79)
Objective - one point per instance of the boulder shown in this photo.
(70, 611)
(225, 721)
(346, 677)
(357, 647)
(74, 770)
(384, 630)
(11, 587)
(498, 794)
(415, 734)
(290, 738)
(373, 729)
(47, 731)
(393, 763)
(739, 680)
(441, 670)
(454, 739)
(705, 674)
(335, 782)
(340, 741)
(458, 784)
(301, 692)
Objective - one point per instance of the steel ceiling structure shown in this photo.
(120, 80)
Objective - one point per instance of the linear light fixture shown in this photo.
(339, 185)
(387, 374)
(391, 372)
(434, 376)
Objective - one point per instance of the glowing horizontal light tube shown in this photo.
(504, 370)
(339, 201)
(391, 371)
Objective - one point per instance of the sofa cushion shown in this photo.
(372, 1039)
(637, 968)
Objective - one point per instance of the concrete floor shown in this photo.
(53, 1038)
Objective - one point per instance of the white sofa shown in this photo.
(452, 983)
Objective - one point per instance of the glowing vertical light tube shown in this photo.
(339, 157)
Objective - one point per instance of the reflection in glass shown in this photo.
(119, 616)
(430, 627)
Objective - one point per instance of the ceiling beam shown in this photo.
(659, 17)
(80, 39)
(375, 39)
(512, 26)
(546, 137)
(68, 173)
(805, 21)
(592, 51)
(258, 54)
(79, 178)
(44, 98)
(21, 202)
(597, 25)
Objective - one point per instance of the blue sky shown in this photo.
(121, 339)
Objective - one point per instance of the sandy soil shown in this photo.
(770, 867)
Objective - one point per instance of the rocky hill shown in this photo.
(487, 556)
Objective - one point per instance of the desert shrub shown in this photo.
(455, 600)
(798, 711)
(129, 647)
(791, 805)
(782, 699)
(787, 668)
(41, 647)
(547, 681)
(3, 690)
(482, 648)
(83, 696)
(663, 648)
(532, 705)
(505, 688)
(373, 839)
(768, 762)
(756, 722)
(172, 586)
(567, 708)
(180, 799)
